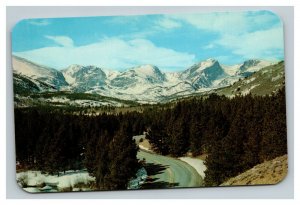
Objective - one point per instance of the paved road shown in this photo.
(165, 172)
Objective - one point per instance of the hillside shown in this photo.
(265, 81)
(38, 72)
(25, 85)
(269, 172)
(64, 99)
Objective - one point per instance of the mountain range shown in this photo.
(144, 84)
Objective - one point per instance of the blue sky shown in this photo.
(171, 42)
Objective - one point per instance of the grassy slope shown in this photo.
(269, 172)
(263, 82)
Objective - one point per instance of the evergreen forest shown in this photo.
(235, 133)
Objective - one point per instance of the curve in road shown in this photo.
(166, 172)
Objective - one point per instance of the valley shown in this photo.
(196, 112)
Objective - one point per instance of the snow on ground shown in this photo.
(84, 103)
(145, 70)
(200, 90)
(144, 144)
(250, 80)
(265, 71)
(247, 90)
(172, 77)
(57, 100)
(111, 74)
(69, 179)
(223, 82)
(69, 79)
(206, 63)
(31, 189)
(27, 69)
(144, 148)
(231, 70)
(198, 164)
(258, 66)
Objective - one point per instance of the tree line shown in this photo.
(53, 142)
(235, 134)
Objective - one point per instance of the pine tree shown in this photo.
(274, 131)
(122, 164)
(179, 138)
(224, 159)
(195, 136)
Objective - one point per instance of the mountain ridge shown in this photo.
(141, 83)
(35, 71)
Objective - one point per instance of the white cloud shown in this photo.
(246, 34)
(218, 21)
(229, 22)
(39, 22)
(168, 23)
(138, 35)
(259, 44)
(163, 24)
(111, 53)
(64, 41)
(209, 46)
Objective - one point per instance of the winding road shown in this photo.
(166, 172)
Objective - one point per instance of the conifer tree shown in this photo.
(122, 164)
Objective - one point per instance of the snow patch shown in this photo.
(207, 63)
(70, 179)
(144, 148)
(197, 164)
(70, 80)
(250, 80)
(231, 70)
(247, 91)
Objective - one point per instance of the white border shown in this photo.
(150, 3)
(128, 3)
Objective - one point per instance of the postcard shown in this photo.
(149, 101)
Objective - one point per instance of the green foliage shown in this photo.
(56, 142)
(257, 133)
(122, 162)
(236, 134)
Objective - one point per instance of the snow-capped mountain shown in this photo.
(253, 65)
(204, 74)
(41, 73)
(231, 70)
(265, 81)
(83, 78)
(145, 74)
(145, 83)
(24, 84)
